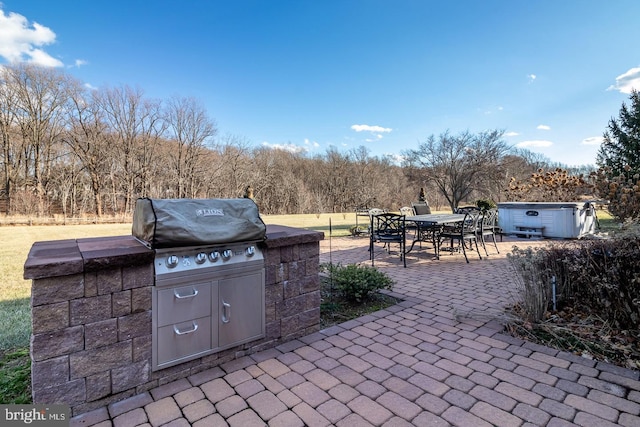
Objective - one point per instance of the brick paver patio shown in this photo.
(437, 359)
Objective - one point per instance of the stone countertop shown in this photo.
(67, 257)
(282, 235)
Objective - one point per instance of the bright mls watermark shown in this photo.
(34, 415)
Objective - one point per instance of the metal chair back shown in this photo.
(421, 208)
(388, 228)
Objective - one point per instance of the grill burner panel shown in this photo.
(206, 299)
(176, 261)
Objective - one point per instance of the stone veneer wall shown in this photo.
(91, 315)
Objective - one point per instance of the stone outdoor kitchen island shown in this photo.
(91, 306)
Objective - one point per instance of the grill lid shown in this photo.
(164, 223)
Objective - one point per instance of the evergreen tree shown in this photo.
(620, 151)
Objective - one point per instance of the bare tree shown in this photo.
(235, 170)
(337, 178)
(365, 170)
(11, 149)
(66, 183)
(278, 181)
(458, 165)
(87, 136)
(191, 128)
(41, 94)
(124, 145)
(136, 125)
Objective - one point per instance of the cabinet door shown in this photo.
(241, 309)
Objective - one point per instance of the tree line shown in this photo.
(76, 151)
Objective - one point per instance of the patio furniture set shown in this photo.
(465, 229)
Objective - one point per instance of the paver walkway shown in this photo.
(437, 359)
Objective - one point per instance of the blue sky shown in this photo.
(348, 73)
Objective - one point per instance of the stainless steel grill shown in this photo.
(206, 299)
(209, 276)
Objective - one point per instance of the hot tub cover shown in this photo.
(164, 223)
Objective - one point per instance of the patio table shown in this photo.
(428, 228)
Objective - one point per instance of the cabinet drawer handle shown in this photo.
(188, 331)
(226, 312)
(191, 295)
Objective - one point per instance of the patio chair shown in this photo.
(463, 232)
(387, 228)
(487, 228)
(421, 208)
(497, 230)
(465, 209)
(371, 212)
(408, 211)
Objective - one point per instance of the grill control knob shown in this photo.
(227, 254)
(214, 256)
(172, 261)
(250, 251)
(201, 257)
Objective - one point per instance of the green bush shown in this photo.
(357, 282)
(486, 204)
(602, 275)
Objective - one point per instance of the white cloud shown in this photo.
(376, 131)
(627, 81)
(531, 77)
(543, 127)
(292, 148)
(376, 137)
(40, 57)
(534, 143)
(79, 63)
(313, 144)
(594, 140)
(511, 134)
(22, 42)
(367, 128)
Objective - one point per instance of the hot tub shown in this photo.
(564, 220)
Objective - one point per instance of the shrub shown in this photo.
(550, 186)
(602, 275)
(622, 192)
(486, 204)
(357, 282)
(532, 281)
